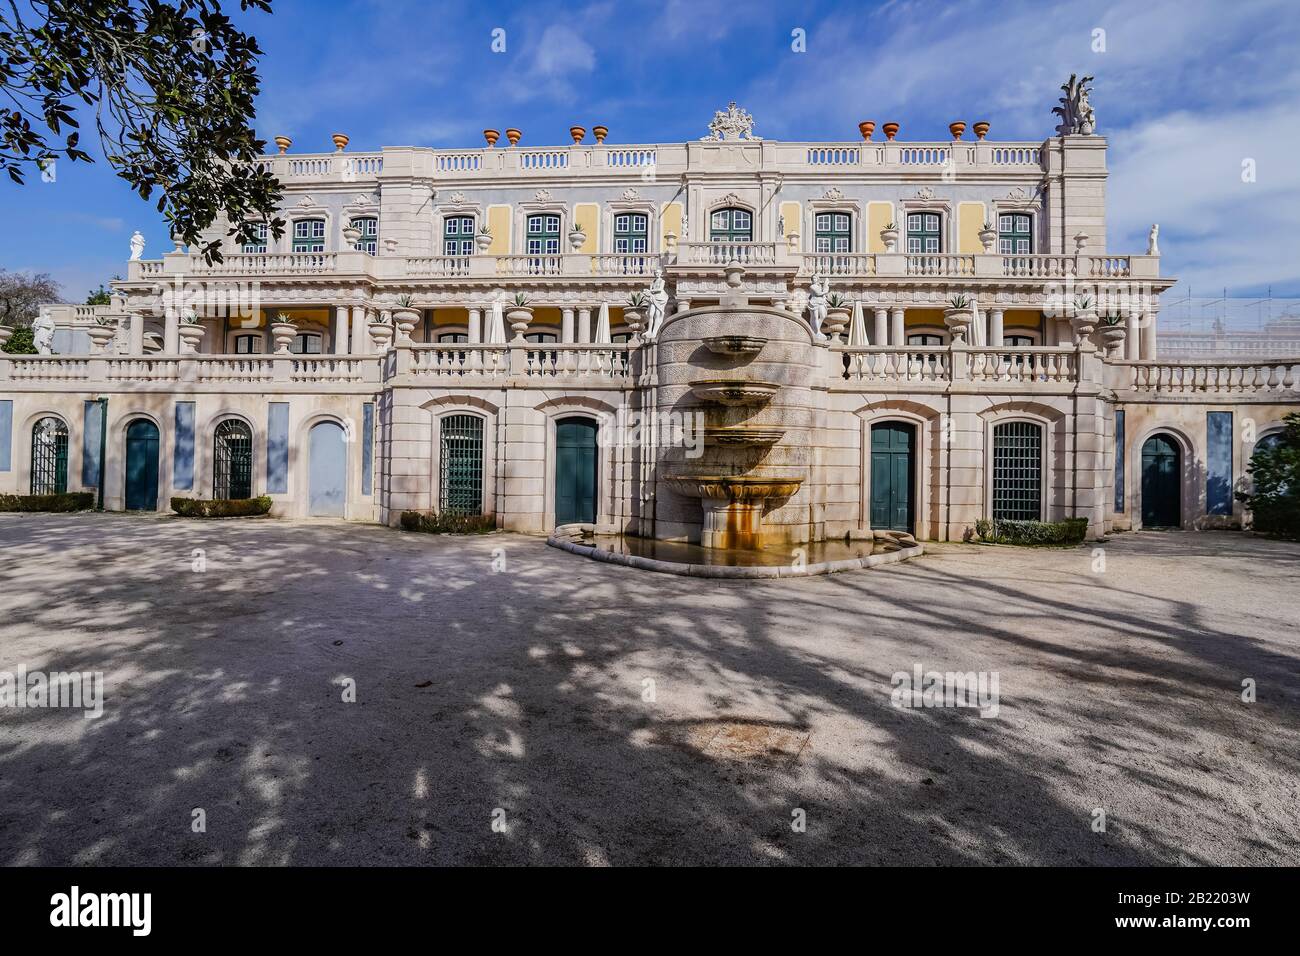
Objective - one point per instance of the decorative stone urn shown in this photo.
(1083, 322)
(576, 238)
(513, 135)
(520, 316)
(1113, 337)
(340, 141)
(600, 132)
(981, 129)
(890, 130)
(988, 238)
(101, 337)
(282, 334)
(889, 236)
(957, 129)
(283, 143)
(381, 333)
(635, 321)
(578, 133)
(6, 333)
(491, 136)
(483, 241)
(406, 319)
(837, 320)
(866, 128)
(190, 335)
(351, 236)
(958, 322)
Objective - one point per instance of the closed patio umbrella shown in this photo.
(497, 326)
(858, 326)
(602, 325)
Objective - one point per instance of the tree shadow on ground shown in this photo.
(522, 695)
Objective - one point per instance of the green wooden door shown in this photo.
(892, 476)
(575, 471)
(142, 466)
(1161, 483)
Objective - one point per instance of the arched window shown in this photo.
(232, 460)
(1018, 471)
(306, 343)
(1015, 234)
(924, 233)
(731, 225)
(369, 241)
(543, 235)
(833, 232)
(309, 235)
(630, 232)
(460, 480)
(49, 457)
(458, 236)
(249, 343)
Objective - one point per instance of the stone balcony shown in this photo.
(695, 257)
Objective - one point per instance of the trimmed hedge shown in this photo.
(447, 524)
(71, 501)
(1032, 533)
(221, 507)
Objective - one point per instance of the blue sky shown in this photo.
(1185, 91)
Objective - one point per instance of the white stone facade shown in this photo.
(776, 213)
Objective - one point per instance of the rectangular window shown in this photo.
(923, 233)
(460, 464)
(1017, 471)
(832, 232)
(369, 227)
(1015, 234)
(260, 244)
(309, 235)
(1119, 462)
(630, 231)
(1218, 463)
(543, 235)
(458, 236)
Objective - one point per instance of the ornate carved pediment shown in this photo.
(543, 195)
(631, 194)
(834, 194)
(925, 193)
(457, 198)
(731, 124)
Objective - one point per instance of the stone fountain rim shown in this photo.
(569, 537)
(731, 309)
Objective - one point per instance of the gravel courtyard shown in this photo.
(607, 715)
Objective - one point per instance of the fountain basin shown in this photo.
(735, 344)
(732, 505)
(752, 436)
(734, 391)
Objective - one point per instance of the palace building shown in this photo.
(855, 336)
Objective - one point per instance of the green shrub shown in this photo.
(221, 507)
(71, 501)
(22, 342)
(1032, 533)
(1274, 499)
(447, 524)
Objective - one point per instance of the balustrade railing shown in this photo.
(581, 360)
(1265, 377)
(1033, 364)
(941, 265)
(720, 253)
(892, 365)
(459, 361)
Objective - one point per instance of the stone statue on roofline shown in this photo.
(43, 334)
(731, 124)
(1076, 113)
(137, 245)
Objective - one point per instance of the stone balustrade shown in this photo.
(163, 372)
(1264, 378)
(1030, 367)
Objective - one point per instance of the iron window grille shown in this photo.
(232, 460)
(460, 490)
(1018, 471)
(49, 457)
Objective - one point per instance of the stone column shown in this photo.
(896, 328)
(475, 326)
(995, 328)
(584, 325)
(171, 337)
(566, 326)
(880, 331)
(1132, 345)
(683, 305)
(135, 334)
(342, 343)
(360, 334)
(1148, 336)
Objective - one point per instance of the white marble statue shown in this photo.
(818, 292)
(137, 245)
(657, 305)
(1153, 240)
(43, 334)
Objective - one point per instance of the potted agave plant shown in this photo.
(483, 238)
(381, 330)
(889, 236)
(1084, 318)
(958, 316)
(190, 332)
(1113, 331)
(283, 330)
(988, 237)
(577, 236)
(837, 315)
(406, 317)
(634, 312)
(102, 334)
(520, 315)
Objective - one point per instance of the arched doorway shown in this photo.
(893, 475)
(49, 457)
(327, 462)
(1161, 483)
(142, 465)
(232, 460)
(575, 471)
